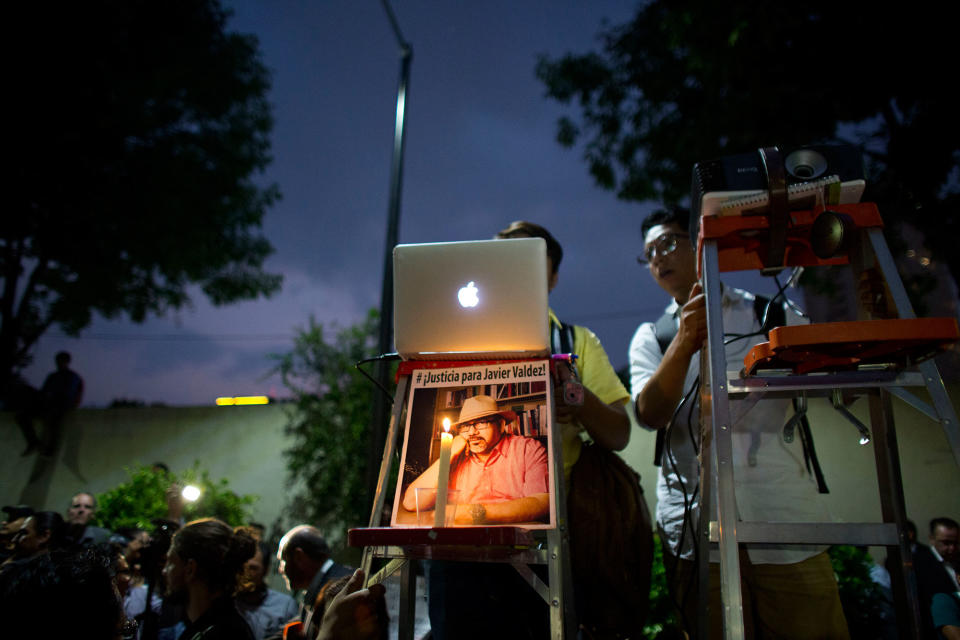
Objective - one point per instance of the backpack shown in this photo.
(611, 537)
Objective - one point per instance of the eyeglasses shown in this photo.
(665, 244)
(476, 426)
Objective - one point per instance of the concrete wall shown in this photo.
(242, 444)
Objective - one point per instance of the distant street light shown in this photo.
(378, 427)
(190, 493)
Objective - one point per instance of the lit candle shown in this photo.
(443, 477)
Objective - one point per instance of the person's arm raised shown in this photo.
(660, 396)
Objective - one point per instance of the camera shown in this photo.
(153, 555)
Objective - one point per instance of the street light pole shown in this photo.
(378, 427)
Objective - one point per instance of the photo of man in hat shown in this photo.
(502, 478)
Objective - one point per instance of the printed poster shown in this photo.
(497, 454)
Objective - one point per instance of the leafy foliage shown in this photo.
(136, 502)
(864, 605)
(690, 80)
(143, 498)
(140, 130)
(329, 423)
(661, 616)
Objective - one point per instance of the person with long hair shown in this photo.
(204, 563)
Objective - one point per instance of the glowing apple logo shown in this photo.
(468, 295)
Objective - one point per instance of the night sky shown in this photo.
(480, 152)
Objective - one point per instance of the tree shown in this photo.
(143, 498)
(693, 80)
(869, 612)
(137, 131)
(329, 423)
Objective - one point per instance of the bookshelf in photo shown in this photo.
(526, 399)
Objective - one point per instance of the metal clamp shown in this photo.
(837, 403)
(796, 418)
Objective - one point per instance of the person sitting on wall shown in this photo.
(502, 478)
(61, 393)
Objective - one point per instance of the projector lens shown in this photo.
(805, 164)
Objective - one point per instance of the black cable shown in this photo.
(688, 499)
(687, 508)
(790, 303)
(693, 440)
(381, 357)
(694, 497)
(672, 572)
(763, 321)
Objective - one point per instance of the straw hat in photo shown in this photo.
(477, 407)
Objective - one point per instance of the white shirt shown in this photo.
(771, 480)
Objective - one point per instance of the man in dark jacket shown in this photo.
(305, 563)
(934, 568)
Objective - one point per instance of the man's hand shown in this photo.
(659, 397)
(458, 445)
(607, 424)
(533, 508)
(464, 513)
(428, 479)
(355, 613)
(693, 322)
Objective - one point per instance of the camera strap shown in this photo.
(561, 338)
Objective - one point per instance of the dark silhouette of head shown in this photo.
(525, 229)
(62, 359)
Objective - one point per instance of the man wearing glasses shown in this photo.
(787, 590)
(502, 478)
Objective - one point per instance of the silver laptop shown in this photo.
(471, 300)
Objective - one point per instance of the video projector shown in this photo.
(773, 182)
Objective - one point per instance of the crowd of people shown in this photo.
(204, 579)
(196, 580)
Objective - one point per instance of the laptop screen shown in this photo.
(471, 300)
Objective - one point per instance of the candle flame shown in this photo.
(446, 425)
